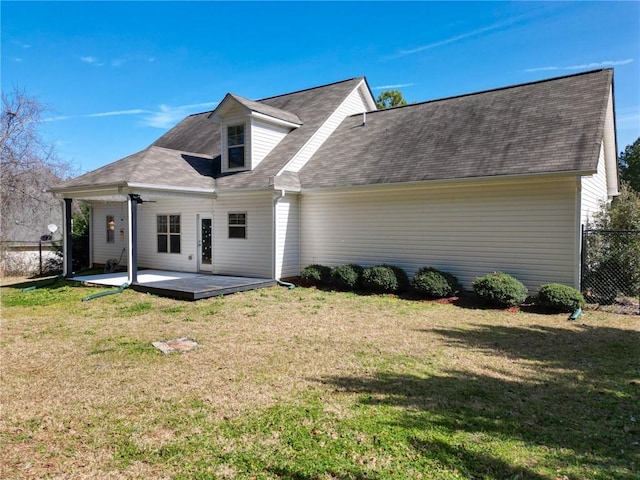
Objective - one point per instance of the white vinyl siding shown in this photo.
(353, 104)
(594, 191)
(524, 228)
(101, 249)
(243, 257)
(264, 139)
(188, 209)
(287, 237)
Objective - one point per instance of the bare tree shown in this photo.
(28, 167)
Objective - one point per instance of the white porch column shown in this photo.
(132, 258)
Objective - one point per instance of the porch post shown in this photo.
(67, 240)
(132, 261)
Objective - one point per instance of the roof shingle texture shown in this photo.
(551, 126)
(166, 162)
(153, 166)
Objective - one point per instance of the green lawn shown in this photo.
(309, 384)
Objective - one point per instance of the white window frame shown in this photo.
(169, 234)
(231, 225)
(242, 145)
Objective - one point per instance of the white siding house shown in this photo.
(526, 228)
(497, 180)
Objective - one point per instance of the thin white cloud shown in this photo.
(397, 85)
(168, 116)
(164, 117)
(57, 119)
(606, 63)
(21, 44)
(457, 38)
(584, 66)
(91, 60)
(542, 69)
(135, 111)
(628, 118)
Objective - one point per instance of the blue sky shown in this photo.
(117, 75)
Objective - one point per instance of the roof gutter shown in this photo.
(275, 120)
(448, 181)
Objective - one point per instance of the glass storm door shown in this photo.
(205, 250)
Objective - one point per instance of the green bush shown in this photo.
(316, 274)
(346, 277)
(435, 283)
(384, 279)
(560, 298)
(500, 289)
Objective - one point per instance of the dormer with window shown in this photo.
(249, 131)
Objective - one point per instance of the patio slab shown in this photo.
(181, 285)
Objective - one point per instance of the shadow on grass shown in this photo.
(583, 405)
(292, 474)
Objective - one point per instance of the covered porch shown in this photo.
(180, 285)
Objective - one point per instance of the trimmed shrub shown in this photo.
(385, 279)
(316, 274)
(560, 298)
(434, 283)
(346, 277)
(500, 289)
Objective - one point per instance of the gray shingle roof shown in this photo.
(163, 162)
(550, 126)
(153, 166)
(313, 106)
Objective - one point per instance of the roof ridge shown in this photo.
(283, 94)
(490, 90)
(310, 88)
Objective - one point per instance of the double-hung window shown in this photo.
(168, 232)
(235, 146)
(237, 225)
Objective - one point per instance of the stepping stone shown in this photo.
(176, 345)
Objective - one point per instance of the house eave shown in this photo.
(274, 120)
(119, 191)
(496, 179)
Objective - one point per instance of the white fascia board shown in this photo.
(368, 96)
(494, 180)
(88, 192)
(167, 191)
(318, 130)
(274, 120)
(611, 148)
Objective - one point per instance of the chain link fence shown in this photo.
(611, 268)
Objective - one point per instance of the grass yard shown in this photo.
(307, 384)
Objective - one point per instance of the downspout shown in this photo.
(577, 277)
(290, 286)
(274, 233)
